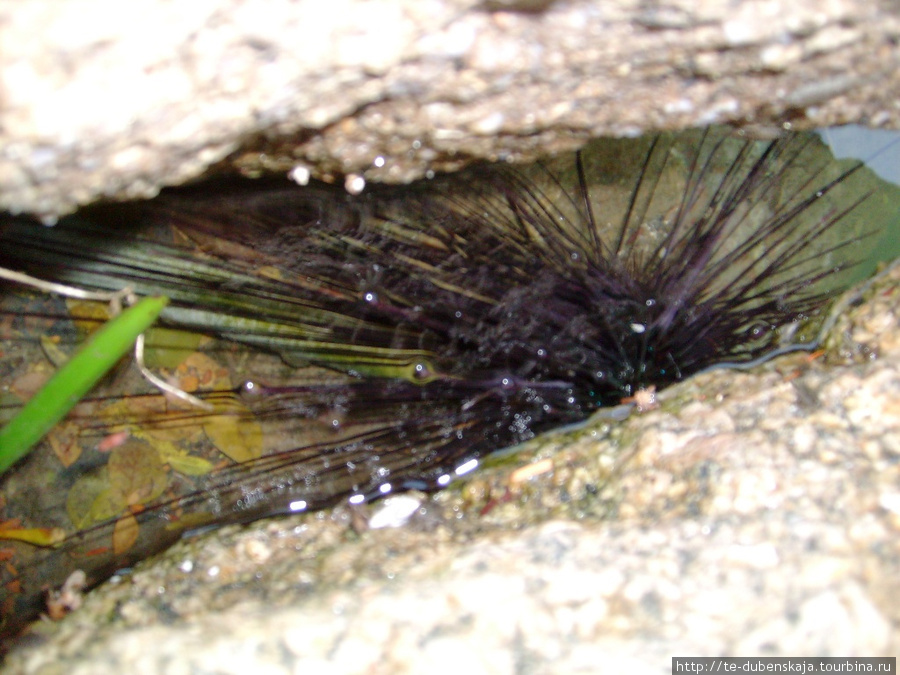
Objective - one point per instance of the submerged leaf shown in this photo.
(167, 348)
(181, 461)
(136, 474)
(237, 435)
(74, 379)
(125, 533)
(91, 500)
(38, 536)
(87, 315)
(65, 439)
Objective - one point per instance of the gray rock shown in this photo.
(104, 100)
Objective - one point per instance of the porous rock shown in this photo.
(103, 99)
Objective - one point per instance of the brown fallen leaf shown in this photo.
(125, 533)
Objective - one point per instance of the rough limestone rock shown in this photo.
(104, 99)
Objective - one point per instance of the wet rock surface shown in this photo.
(104, 100)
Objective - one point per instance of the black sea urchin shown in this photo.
(422, 329)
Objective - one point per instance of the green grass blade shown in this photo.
(71, 382)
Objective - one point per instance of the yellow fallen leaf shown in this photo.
(65, 440)
(167, 348)
(38, 536)
(88, 315)
(238, 436)
(90, 500)
(125, 533)
(136, 474)
(181, 461)
(151, 416)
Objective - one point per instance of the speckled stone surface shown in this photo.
(749, 514)
(103, 99)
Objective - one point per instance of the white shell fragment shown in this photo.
(394, 512)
